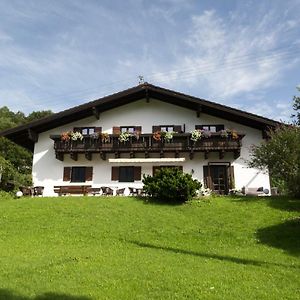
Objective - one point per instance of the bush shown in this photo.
(171, 185)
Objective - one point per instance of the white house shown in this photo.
(101, 159)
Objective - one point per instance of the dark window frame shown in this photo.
(78, 174)
(217, 126)
(130, 129)
(126, 174)
(90, 130)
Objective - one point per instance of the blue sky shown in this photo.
(60, 53)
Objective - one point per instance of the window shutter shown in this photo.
(67, 174)
(98, 129)
(230, 171)
(177, 128)
(155, 128)
(114, 173)
(137, 173)
(138, 129)
(88, 173)
(116, 130)
(207, 178)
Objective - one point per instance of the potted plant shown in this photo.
(124, 137)
(168, 136)
(223, 133)
(75, 136)
(157, 136)
(65, 136)
(104, 137)
(196, 135)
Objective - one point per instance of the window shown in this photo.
(167, 128)
(126, 174)
(78, 174)
(128, 129)
(211, 128)
(87, 130)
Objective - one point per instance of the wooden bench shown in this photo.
(71, 189)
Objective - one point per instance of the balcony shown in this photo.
(145, 143)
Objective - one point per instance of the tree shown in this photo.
(280, 154)
(15, 161)
(296, 108)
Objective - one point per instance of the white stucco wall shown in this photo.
(48, 171)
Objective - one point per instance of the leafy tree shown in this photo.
(171, 185)
(15, 161)
(296, 107)
(280, 154)
(36, 115)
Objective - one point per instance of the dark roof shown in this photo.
(21, 134)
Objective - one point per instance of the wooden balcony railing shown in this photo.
(181, 142)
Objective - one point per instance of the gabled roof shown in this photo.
(26, 135)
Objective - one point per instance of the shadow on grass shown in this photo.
(9, 295)
(284, 236)
(285, 203)
(155, 201)
(232, 259)
(279, 202)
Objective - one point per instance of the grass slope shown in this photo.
(122, 248)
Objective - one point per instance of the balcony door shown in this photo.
(219, 178)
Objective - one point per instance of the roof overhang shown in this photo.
(26, 135)
(146, 160)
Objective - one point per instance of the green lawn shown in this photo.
(124, 248)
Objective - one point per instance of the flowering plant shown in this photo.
(94, 135)
(234, 134)
(65, 136)
(196, 135)
(104, 137)
(124, 137)
(75, 136)
(206, 133)
(168, 136)
(157, 136)
(224, 133)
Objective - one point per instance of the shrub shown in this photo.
(171, 185)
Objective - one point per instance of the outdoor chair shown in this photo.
(120, 192)
(38, 191)
(107, 191)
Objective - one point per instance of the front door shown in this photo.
(219, 179)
